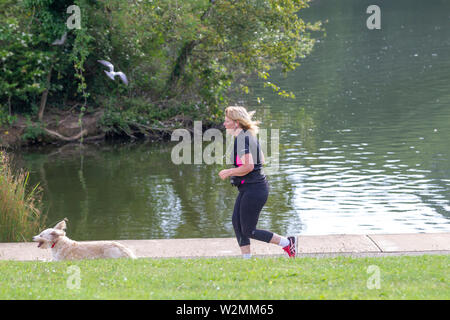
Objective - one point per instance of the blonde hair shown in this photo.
(243, 117)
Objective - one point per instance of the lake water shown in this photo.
(364, 147)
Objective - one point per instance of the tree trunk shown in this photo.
(185, 53)
(180, 64)
(44, 95)
(9, 105)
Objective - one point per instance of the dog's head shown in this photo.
(47, 238)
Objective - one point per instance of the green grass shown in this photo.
(405, 277)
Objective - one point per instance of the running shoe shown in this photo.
(291, 249)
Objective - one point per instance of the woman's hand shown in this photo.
(223, 174)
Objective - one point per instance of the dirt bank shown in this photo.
(57, 127)
(60, 127)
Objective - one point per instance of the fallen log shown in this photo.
(61, 137)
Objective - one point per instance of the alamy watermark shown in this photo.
(73, 281)
(190, 150)
(374, 281)
(374, 20)
(74, 21)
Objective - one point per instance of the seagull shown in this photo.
(111, 74)
(60, 42)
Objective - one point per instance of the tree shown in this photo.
(198, 51)
(23, 70)
(232, 40)
(180, 56)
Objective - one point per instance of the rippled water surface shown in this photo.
(364, 147)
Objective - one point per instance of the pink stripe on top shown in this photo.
(238, 161)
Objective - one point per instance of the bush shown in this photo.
(20, 209)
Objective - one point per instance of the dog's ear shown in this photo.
(57, 233)
(61, 225)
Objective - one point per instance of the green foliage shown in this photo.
(176, 54)
(33, 131)
(121, 116)
(23, 69)
(5, 117)
(80, 52)
(217, 47)
(250, 37)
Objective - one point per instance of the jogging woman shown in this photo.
(248, 177)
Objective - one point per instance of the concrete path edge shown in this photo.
(357, 245)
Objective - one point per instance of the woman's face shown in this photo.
(229, 124)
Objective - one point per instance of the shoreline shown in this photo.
(59, 128)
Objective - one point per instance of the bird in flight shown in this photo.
(111, 73)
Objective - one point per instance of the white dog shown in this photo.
(65, 249)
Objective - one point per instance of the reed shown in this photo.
(21, 214)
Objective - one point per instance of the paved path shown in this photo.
(317, 246)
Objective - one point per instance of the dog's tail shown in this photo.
(130, 253)
(126, 250)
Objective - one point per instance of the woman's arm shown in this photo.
(246, 167)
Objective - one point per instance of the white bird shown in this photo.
(111, 74)
(60, 42)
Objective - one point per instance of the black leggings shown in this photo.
(248, 205)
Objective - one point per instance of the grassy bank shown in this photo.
(405, 277)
